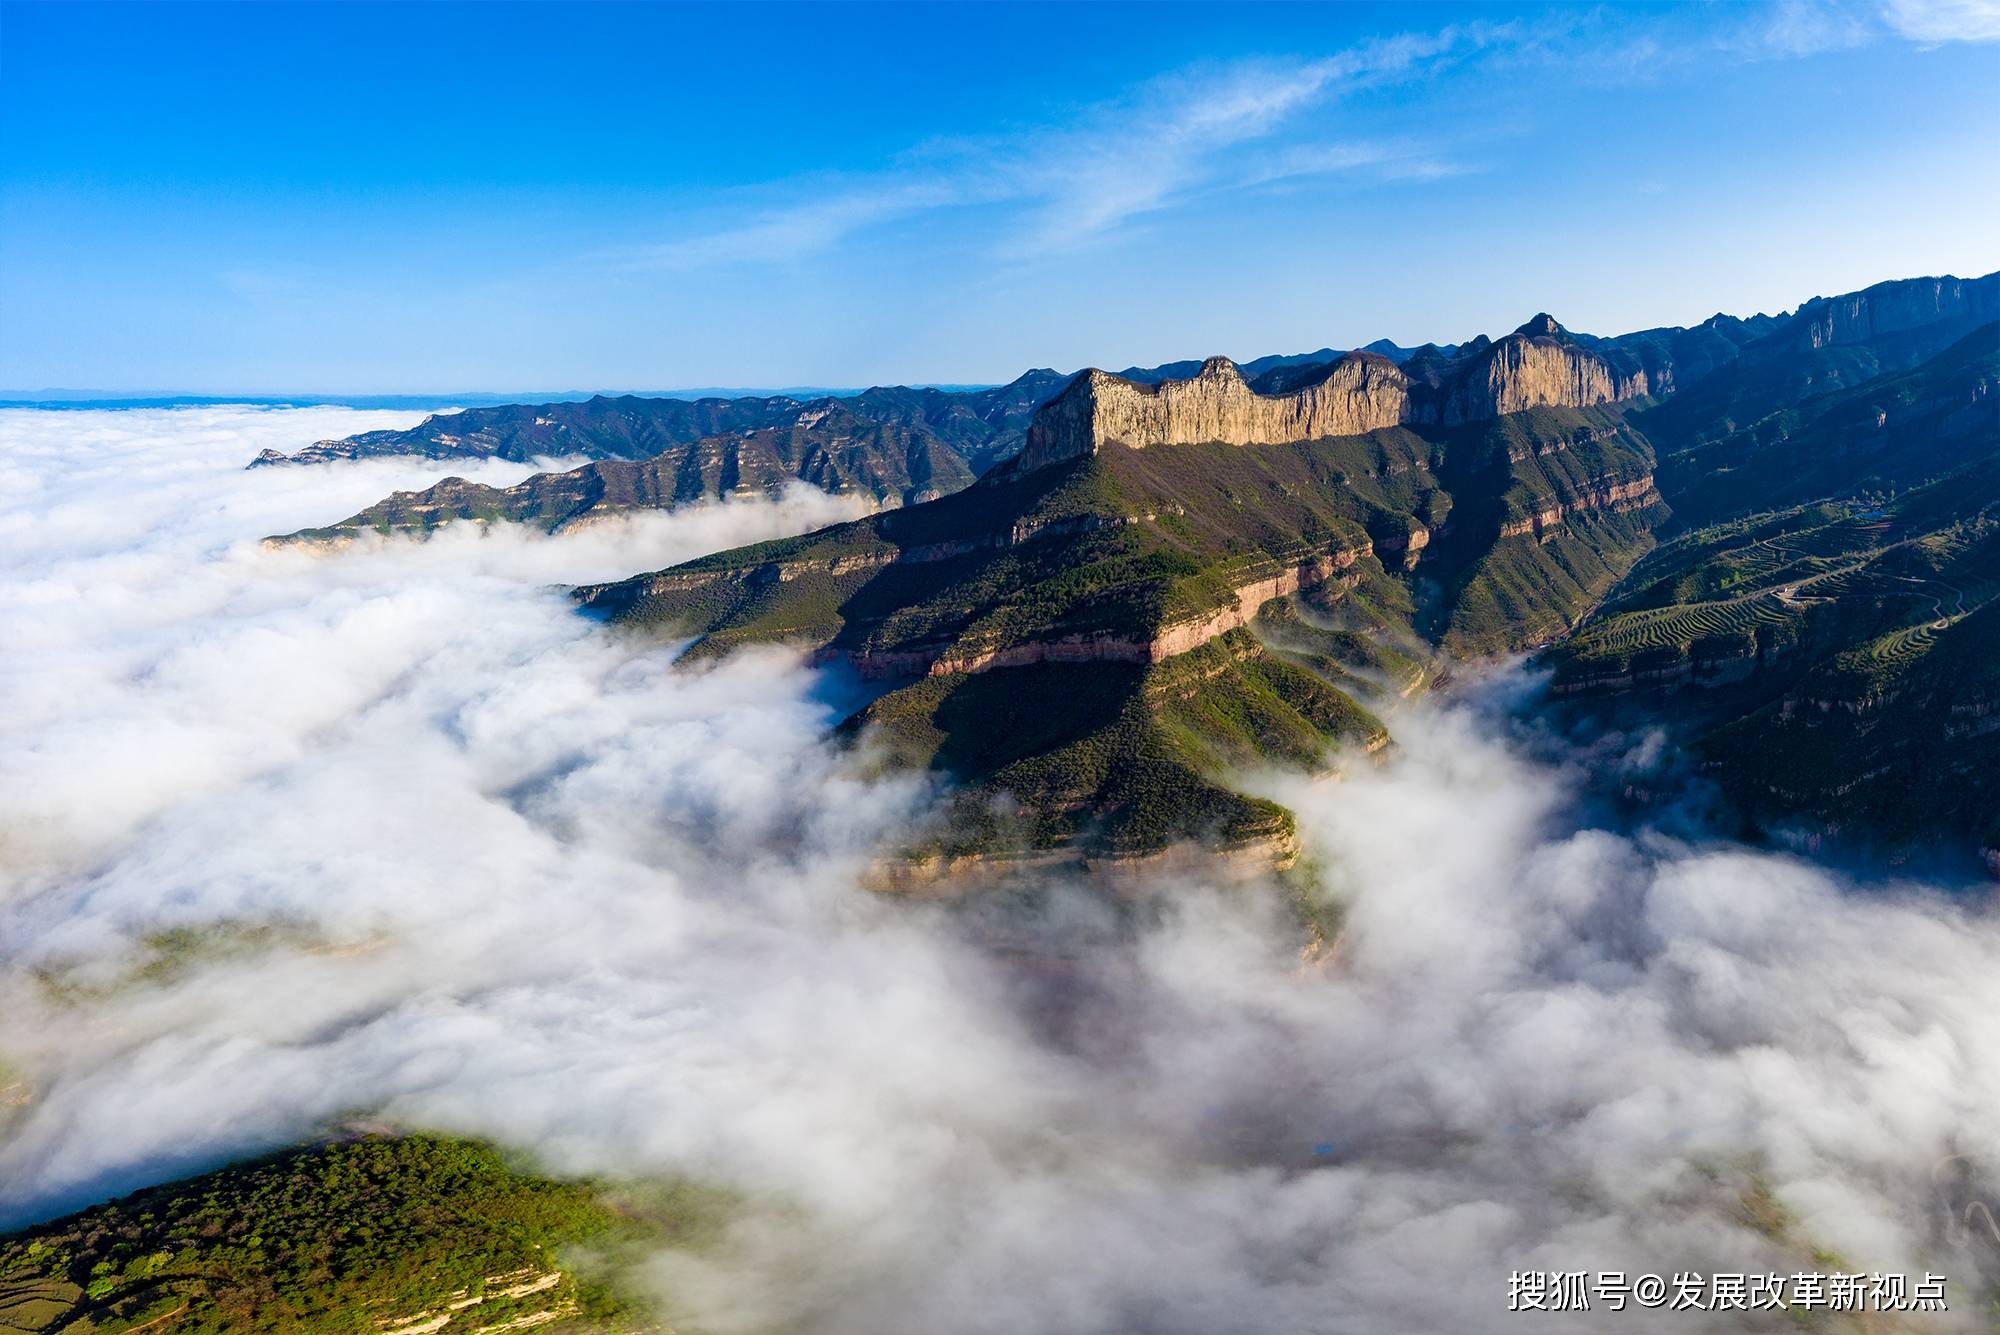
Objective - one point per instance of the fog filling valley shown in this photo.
(464, 859)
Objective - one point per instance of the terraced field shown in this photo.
(1682, 626)
(1888, 570)
(1832, 664)
(1900, 648)
(29, 1307)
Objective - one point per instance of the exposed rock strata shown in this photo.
(939, 877)
(1526, 372)
(1169, 641)
(1889, 307)
(1359, 393)
(1539, 365)
(1616, 497)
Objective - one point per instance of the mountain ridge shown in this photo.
(1268, 543)
(900, 446)
(1208, 530)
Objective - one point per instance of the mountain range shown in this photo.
(1096, 600)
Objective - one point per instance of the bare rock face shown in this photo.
(1535, 366)
(1905, 304)
(1360, 393)
(1526, 371)
(1615, 497)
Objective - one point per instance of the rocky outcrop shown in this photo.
(1539, 365)
(1169, 641)
(505, 1291)
(935, 876)
(1184, 636)
(1533, 368)
(1887, 308)
(1359, 393)
(1616, 497)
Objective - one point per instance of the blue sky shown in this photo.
(282, 198)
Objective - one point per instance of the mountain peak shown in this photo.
(1542, 326)
(1220, 366)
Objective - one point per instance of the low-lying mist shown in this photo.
(454, 856)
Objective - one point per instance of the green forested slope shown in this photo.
(374, 1234)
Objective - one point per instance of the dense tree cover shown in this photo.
(352, 1235)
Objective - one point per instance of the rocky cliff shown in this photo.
(1892, 307)
(1538, 365)
(1357, 394)
(1597, 495)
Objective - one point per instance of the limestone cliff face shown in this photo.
(1538, 365)
(1616, 497)
(1524, 371)
(1360, 393)
(1888, 307)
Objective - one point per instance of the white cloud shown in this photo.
(1936, 22)
(799, 232)
(1795, 28)
(1189, 134)
(1166, 140)
(1374, 160)
(567, 897)
(1798, 28)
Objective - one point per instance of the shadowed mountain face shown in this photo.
(1823, 627)
(834, 451)
(978, 426)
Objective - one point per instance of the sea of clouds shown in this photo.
(524, 880)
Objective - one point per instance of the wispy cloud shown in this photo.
(1936, 22)
(1792, 29)
(1170, 139)
(800, 230)
(1797, 28)
(1181, 136)
(1381, 160)
(1193, 133)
